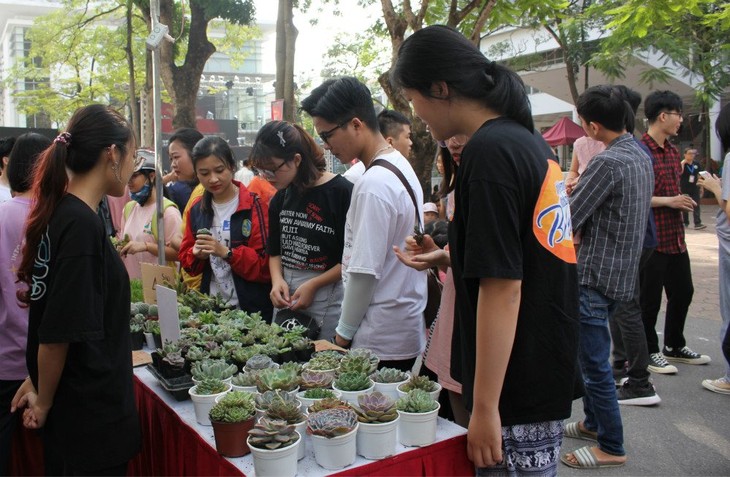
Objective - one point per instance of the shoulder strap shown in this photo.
(399, 175)
(128, 208)
(166, 203)
(262, 225)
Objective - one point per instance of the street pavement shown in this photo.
(688, 433)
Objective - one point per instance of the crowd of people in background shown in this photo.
(543, 273)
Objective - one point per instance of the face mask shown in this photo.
(142, 195)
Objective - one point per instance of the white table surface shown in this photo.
(307, 466)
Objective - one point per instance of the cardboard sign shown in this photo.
(152, 274)
(167, 309)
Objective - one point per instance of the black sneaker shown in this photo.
(685, 355)
(619, 375)
(700, 227)
(657, 364)
(631, 395)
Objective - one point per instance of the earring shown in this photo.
(117, 174)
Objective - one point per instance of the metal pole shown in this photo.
(159, 32)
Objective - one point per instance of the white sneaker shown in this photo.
(721, 385)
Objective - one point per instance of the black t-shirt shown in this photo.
(80, 296)
(512, 222)
(689, 177)
(308, 230)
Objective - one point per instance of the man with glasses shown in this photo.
(668, 268)
(383, 305)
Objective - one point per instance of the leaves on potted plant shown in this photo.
(376, 436)
(274, 445)
(333, 437)
(232, 418)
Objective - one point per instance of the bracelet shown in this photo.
(334, 342)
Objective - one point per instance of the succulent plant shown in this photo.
(143, 308)
(357, 364)
(418, 401)
(375, 407)
(327, 403)
(183, 311)
(264, 400)
(235, 406)
(331, 422)
(209, 368)
(218, 353)
(301, 344)
(152, 326)
(285, 410)
(153, 311)
(174, 359)
(389, 375)
(270, 379)
(321, 362)
(292, 366)
(314, 379)
(365, 353)
(319, 393)
(244, 379)
(210, 386)
(259, 361)
(419, 382)
(167, 348)
(196, 353)
(353, 382)
(241, 355)
(136, 323)
(272, 434)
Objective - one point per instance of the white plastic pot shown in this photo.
(227, 380)
(337, 452)
(150, 340)
(248, 389)
(351, 396)
(418, 429)
(277, 462)
(203, 403)
(306, 402)
(377, 441)
(390, 389)
(302, 430)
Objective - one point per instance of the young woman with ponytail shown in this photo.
(513, 261)
(79, 388)
(306, 224)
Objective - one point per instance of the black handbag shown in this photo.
(433, 302)
(288, 319)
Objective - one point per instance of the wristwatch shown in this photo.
(228, 256)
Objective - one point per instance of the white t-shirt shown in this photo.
(222, 279)
(139, 228)
(381, 215)
(354, 173)
(5, 193)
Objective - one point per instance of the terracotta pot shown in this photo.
(231, 437)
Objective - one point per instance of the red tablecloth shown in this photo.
(171, 447)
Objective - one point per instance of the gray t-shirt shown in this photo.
(723, 225)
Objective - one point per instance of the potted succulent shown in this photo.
(357, 364)
(136, 331)
(210, 368)
(289, 412)
(420, 382)
(378, 417)
(274, 445)
(310, 396)
(172, 365)
(418, 414)
(152, 334)
(244, 382)
(303, 349)
(333, 433)
(310, 379)
(292, 366)
(195, 354)
(327, 403)
(271, 379)
(325, 361)
(232, 418)
(388, 379)
(204, 395)
(264, 400)
(259, 362)
(367, 354)
(351, 385)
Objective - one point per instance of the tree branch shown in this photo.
(481, 21)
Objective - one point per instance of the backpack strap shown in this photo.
(128, 208)
(166, 203)
(399, 175)
(262, 225)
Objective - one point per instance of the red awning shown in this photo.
(564, 132)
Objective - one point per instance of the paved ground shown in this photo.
(689, 432)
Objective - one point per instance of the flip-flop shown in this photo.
(573, 430)
(586, 459)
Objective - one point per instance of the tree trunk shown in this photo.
(281, 48)
(147, 112)
(291, 44)
(133, 106)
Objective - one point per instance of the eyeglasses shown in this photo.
(268, 173)
(673, 112)
(141, 156)
(325, 135)
(452, 142)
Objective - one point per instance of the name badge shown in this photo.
(226, 225)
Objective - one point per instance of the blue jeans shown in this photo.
(599, 403)
(724, 260)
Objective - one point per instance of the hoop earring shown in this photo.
(117, 174)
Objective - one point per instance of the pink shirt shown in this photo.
(585, 148)
(139, 228)
(13, 318)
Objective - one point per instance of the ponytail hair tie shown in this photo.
(63, 138)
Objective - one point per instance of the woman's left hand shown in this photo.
(34, 417)
(303, 296)
(210, 246)
(133, 248)
(713, 184)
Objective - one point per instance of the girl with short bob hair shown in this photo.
(226, 231)
(307, 224)
(80, 385)
(517, 315)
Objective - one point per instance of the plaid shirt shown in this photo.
(611, 204)
(667, 172)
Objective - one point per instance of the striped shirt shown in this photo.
(611, 205)
(667, 172)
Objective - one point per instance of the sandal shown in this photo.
(586, 459)
(573, 430)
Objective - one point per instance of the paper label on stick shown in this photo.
(167, 309)
(152, 274)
